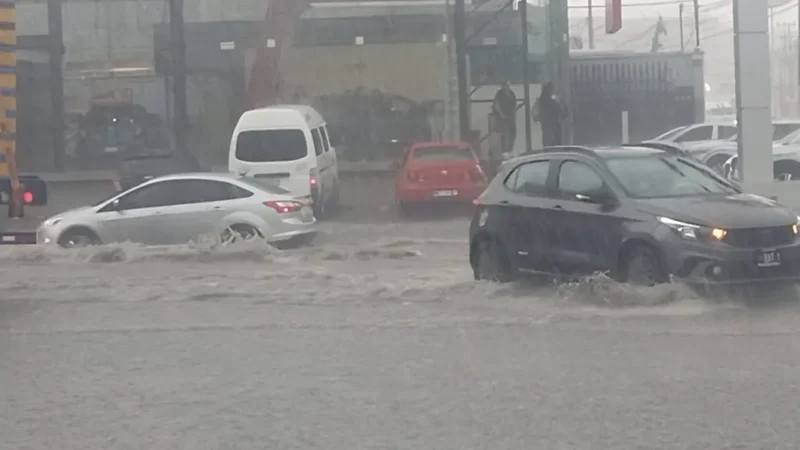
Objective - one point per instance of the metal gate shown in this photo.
(659, 92)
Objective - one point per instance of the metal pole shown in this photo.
(563, 81)
(459, 17)
(590, 21)
(526, 83)
(680, 21)
(180, 120)
(697, 23)
(56, 47)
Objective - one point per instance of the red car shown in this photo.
(439, 172)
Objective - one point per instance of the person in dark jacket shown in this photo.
(550, 114)
(505, 109)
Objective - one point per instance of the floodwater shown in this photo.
(375, 337)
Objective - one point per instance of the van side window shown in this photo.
(315, 135)
(326, 142)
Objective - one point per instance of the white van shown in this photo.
(288, 145)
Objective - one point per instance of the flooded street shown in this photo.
(376, 337)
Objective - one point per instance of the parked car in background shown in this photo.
(786, 138)
(438, 173)
(176, 209)
(699, 132)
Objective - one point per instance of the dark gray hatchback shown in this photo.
(643, 215)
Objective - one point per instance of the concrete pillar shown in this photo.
(752, 61)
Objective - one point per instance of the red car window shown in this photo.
(442, 154)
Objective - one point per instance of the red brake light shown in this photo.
(27, 197)
(284, 206)
(313, 181)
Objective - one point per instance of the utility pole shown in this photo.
(526, 83)
(590, 21)
(680, 22)
(559, 59)
(56, 58)
(697, 23)
(459, 36)
(180, 120)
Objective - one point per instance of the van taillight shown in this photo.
(313, 177)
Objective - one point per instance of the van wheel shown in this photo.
(319, 210)
(334, 206)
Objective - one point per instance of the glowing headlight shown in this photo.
(796, 226)
(693, 231)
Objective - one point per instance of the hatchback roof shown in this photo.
(609, 152)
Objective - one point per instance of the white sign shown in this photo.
(228, 45)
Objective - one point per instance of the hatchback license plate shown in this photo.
(768, 258)
(450, 193)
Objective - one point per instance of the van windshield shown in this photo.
(271, 145)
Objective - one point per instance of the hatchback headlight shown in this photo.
(693, 231)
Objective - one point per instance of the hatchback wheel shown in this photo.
(641, 266)
(491, 262)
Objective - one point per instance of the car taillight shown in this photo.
(284, 206)
(27, 197)
(313, 178)
(476, 174)
(479, 200)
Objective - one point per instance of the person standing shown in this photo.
(548, 111)
(505, 109)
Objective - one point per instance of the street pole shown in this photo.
(559, 53)
(680, 22)
(180, 120)
(590, 21)
(56, 54)
(526, 84)
(460, 38)
(697, 23)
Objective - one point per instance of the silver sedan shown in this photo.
(176, 209)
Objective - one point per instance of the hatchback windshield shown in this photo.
(271, 145)
(442, 154)
(652, 177)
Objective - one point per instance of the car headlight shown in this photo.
(693, 231)
(796, 226)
